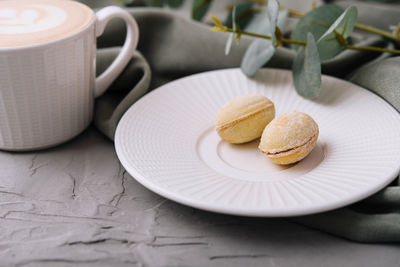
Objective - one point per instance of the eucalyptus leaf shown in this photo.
(244, 14)
(238, 37)
(329, 47)
(260, 51)
(349, 21)
(200, 8)
(234, 24)
(216, 21)
(307, 69)
(282, 18)
(155, 3)
(328, 44)
(273, 11)
(257, 55)
(260, 23)
(317, 21)
(344, 24)
(175, 3)
(229, 42)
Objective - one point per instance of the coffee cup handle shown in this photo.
(103, 16)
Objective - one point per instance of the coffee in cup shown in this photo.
(26, 22)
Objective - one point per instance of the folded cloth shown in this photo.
(176, 47)
(173, 47)
(131, 84)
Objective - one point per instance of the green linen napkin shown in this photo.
(172, 47)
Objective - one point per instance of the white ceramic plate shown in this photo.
(167, 142)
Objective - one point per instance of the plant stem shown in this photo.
(372, 48)
(359, 26)
(291, 41)
(284, 40)
(371, 29)
(298, 42)
(250, 34)
(295, 13)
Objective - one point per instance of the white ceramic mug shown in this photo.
(47, 90)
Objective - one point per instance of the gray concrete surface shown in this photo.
(74, 205)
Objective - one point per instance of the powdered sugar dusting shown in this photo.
(288, 131)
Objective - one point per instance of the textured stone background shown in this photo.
(74, 205)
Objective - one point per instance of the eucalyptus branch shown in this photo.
(291, 41)
(372, 48)
(323, 37)
(359, 26)
(374, 30)
(222, 28)
(218, 28)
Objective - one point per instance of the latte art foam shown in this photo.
(29, 20)
(24, 22)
